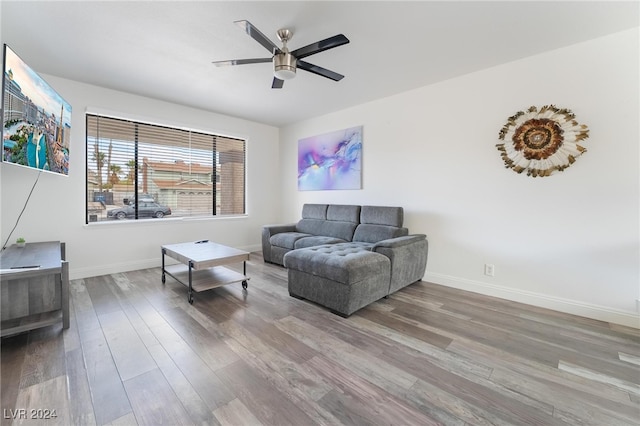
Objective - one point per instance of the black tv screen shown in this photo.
(36, 121)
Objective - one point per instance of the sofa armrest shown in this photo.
(270, 230)
(408, 257)
(277, 229)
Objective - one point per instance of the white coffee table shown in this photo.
(201, 266)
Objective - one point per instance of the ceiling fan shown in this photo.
(285, 62)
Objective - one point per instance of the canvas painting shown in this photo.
(331, 161)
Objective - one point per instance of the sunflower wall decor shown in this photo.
(541, 142)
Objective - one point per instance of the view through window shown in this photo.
(138, 170)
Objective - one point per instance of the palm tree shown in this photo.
(98, 157)
(115, 170)
(131, 164)
(109, 156)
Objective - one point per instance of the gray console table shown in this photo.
(34, 284)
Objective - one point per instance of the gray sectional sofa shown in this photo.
(345, 257)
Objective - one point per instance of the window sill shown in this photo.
(152, 221)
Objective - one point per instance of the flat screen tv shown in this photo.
(36, 121)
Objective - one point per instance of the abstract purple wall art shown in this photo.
(331, 161)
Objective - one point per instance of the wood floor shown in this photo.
(138, 353)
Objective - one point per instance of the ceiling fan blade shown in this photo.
(320, 46)
(277, 83)
(320, 71)
(258, 36)
(241, 62)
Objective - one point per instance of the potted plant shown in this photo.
(20, 242)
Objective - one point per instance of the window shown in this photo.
(138, 170)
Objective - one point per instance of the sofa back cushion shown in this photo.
(310, 226)
(343, 213)
(314, 211)
(327, 228)
(369, 233)
(382, 215)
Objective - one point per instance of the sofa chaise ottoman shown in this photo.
(343, 277)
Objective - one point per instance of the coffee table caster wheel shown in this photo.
(191, 300)
(164, 279)
(245, 285)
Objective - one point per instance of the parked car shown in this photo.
(146, 198)
(145, 209)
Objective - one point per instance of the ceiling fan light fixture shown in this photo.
(284, 66)
(285, 73)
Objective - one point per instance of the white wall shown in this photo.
(56, 210)
(570, 241)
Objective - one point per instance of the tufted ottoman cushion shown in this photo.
(345, 262)
(343, 277)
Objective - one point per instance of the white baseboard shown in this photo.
(112, 268)
(115, 268)
(601, 313)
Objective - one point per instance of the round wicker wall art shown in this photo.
(541, 142)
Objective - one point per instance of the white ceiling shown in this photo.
(164, 49)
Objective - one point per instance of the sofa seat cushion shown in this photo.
(287, 239)
(316, 240)
(345, 263)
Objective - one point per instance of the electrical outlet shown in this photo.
(489, 269)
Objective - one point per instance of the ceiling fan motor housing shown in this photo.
(284, 62)
(284, 66)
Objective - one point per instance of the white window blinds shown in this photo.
(138, 170)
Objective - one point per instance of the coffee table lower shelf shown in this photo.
(204, 279)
